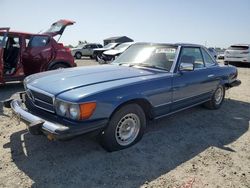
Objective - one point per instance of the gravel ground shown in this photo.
(196, 147)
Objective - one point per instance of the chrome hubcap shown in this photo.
(218, 96)
(127, 129)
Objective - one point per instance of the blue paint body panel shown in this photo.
(112, 85)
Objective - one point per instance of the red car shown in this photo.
(23, 54)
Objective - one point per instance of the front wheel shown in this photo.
(217, 98)
(78, 55)
(126, 127)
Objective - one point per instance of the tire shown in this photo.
(217, 98)
(126, 127)
(58, 66)
(91, 57)
(78, 55)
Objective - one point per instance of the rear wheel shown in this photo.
(78, 55)
(217, 98)
(126, 127)
(58, 66)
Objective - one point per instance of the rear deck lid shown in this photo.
(58, 27)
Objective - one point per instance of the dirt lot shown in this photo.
(198, 146)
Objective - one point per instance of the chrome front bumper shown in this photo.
(53, 130)
(17, 107)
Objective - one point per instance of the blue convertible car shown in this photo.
(148, 81)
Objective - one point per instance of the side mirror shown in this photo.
(186, 67)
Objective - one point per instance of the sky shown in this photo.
(214, 23)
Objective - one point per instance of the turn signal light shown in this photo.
(87, 109)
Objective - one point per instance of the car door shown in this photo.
(88, 50)
(190, 87)
(37, 53)
(3, 38)
(212, 69)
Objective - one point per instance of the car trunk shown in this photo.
(58, 27)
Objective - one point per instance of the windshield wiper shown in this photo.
(151, 66)
(126, 64)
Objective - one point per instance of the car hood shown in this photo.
(112, 52)
(59, 81)
(101, 49)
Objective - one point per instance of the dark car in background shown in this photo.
(85, 50)
(23, 54)
(147, 81)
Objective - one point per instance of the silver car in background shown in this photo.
(85, 50)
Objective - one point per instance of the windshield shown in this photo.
(123, 46)
(147, 55)
(110, 45)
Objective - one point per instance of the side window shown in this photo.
(27, 40)
(1, 41)
(12, 42)
(192, 55)
(99, 46)
(207, 58)
(38, 41)
(93, 46)
(88, 46)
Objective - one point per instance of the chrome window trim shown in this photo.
(214, 60)
(176, 59)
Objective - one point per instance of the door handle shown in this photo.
(210, 75)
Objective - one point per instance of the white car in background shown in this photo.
(110, 55)
(239, 53)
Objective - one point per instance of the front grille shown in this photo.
(41, 100)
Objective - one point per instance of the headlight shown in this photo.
(61, 108)
(75, 111)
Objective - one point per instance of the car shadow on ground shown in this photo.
(6, 91)
(168, 143)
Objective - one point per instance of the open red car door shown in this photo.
(58, 27)
(3, 38)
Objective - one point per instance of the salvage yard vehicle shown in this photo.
(110, 55)
(147, 81)
(23, 54)
(239, 53)
(98, 51)
(85, 50)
